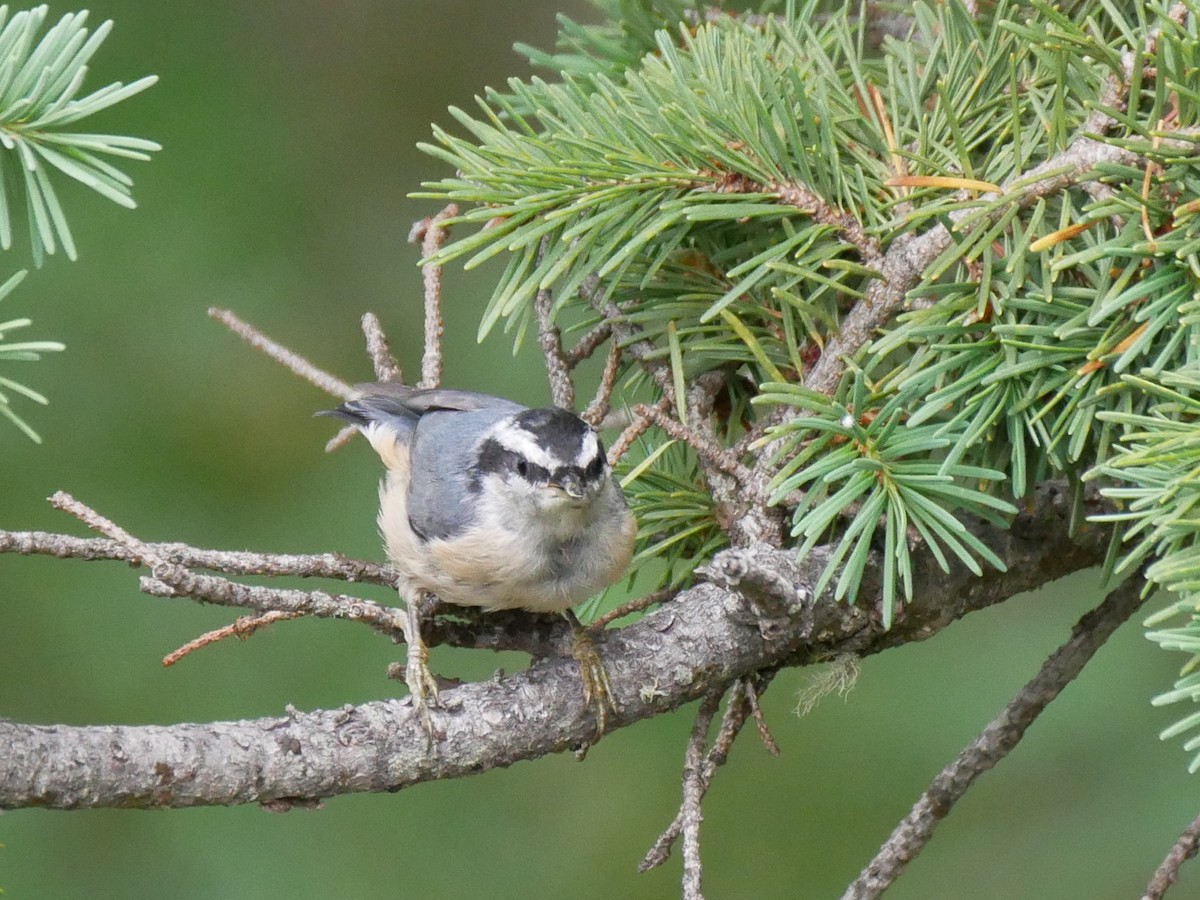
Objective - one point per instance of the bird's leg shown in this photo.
(421, 684)
(597, 689)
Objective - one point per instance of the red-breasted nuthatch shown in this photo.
(492, 504)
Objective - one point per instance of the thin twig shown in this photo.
(319, 604)
(230, 562)
(634, 430)
(764, 733)
(513, 630)
(1168, 871)
(708, 451)
(431, 233)
(385, 365)
(995, 741)
(331, 384)
(562, 386)
(694, 786)
(601, 403)
(588, 344)
(242, 628)
(737, 711)
(632, 606)
(628, 335)
(169, 579)
(341, 439)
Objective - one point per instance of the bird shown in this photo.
(492, 504)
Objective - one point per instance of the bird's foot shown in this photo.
(422, 686)
(597, 689)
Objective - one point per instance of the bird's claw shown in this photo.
(597, 689)
(422, 686)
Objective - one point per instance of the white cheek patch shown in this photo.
(521, 442)
(589, 451)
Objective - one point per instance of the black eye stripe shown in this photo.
(497, 459)
(531, 471)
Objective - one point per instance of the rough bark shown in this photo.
(755, 613)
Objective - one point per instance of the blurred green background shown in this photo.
(289, 132)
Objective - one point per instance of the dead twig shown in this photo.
(562, 387)
(1168, 871)
(341, 439)
(588, 344)
(709, 452)
(382, 361)
(231, 562)
(319, 604)
(764, 733)
(737, 711)
(634, 430)
(694, 786)
(431, 234)
(630, 607)
(242, 628)
(996, 741)
(281, 354)
(601, 403)
(169, 579)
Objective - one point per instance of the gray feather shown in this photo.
(422, 400)
(442, 428)
(400, 406)
(445, 448)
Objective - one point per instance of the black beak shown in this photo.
(571, 484)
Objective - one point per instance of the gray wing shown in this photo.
(441, 502)
(423, 400)
(442, 428)
(400, 406)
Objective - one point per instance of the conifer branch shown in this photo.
(710, 635)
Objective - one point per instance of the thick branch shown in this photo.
(707, 637)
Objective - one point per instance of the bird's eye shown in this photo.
(531, 472)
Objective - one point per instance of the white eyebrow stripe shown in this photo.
(520, 441)
(589, 451)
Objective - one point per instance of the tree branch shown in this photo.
(694, 786)
(293, 361)
(382, 361)
(430, 233)
(995, 741)
(737, 711)
(709, 636)
(231, 562)
(1168, 870)
(558, 366)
